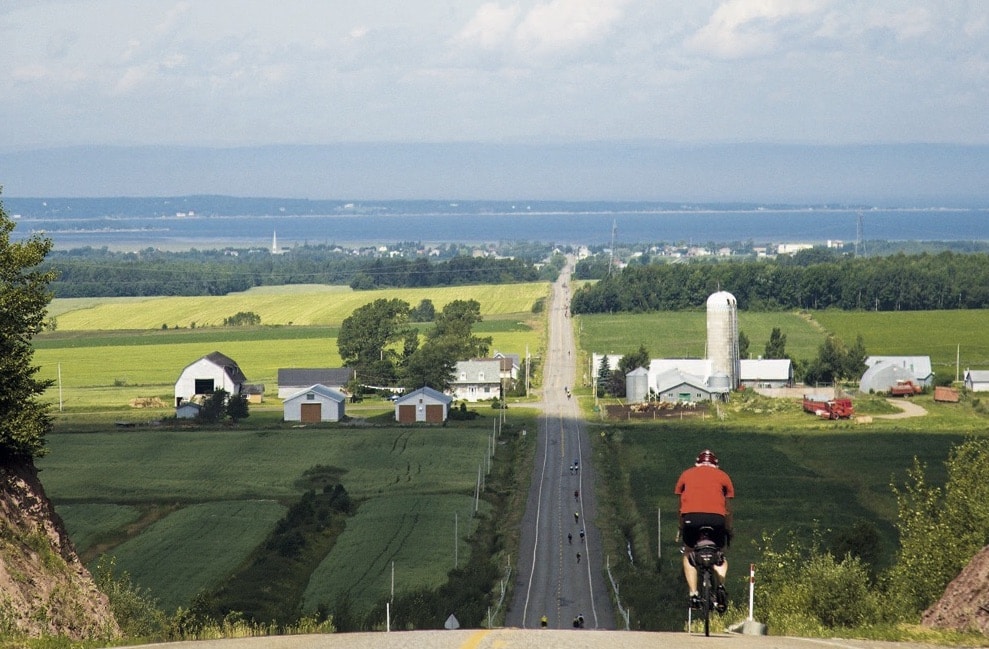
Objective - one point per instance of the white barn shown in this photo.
(205, 376)
(314, 405)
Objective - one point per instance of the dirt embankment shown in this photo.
(965, 603)
(44, 588)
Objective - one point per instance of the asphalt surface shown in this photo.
(550, 578)
(533, 639)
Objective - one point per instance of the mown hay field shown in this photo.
(279, 305)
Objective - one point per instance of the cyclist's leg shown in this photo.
(689, 572)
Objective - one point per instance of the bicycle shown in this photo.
(705, 555)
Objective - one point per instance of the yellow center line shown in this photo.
(475, 639)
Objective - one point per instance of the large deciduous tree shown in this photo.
(368, 335)
(24, 299)
(451, 340)
(455, 324)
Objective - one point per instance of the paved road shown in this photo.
(532, 639)
(551, 580)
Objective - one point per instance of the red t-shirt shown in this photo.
(704, 490)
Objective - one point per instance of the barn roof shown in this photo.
(322, 390)
(302, 376)
(229, 366)
(436, 395)
(919, 366)
(767, 369)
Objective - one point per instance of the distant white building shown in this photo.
(792, 248)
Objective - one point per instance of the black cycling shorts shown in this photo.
(691, 524)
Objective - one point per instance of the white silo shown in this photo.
(722, 336)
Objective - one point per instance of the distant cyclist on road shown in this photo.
(704, 491)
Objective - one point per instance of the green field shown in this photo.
(683, 334)
(223, 490)
(107, 352)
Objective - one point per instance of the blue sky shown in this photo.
(244, 73)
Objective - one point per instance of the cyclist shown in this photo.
(705, 491)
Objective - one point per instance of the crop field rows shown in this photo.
(229, 486)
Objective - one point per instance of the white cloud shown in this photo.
(490, 27)
(743, 28)
(567, 24)
(547, 27)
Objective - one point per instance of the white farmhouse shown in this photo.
(478, 379)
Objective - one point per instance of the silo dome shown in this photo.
(722, 336)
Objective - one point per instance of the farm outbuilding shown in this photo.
(674, 386)
(882, 376)
(637, 385)
(767, 372)
(919, 367)
(188, 410)
(205, 376)
(425, 405)
(314, 405)
(977, 380)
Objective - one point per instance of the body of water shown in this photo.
(516, 223)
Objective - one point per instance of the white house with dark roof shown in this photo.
(478, 379)
(293, 379)
(423, 405)
(205, 376)
(315, 404)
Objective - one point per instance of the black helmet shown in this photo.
(707, 457)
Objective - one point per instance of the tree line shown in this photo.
(811, 280)
(92, 272)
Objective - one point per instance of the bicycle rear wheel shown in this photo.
(707, 600)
